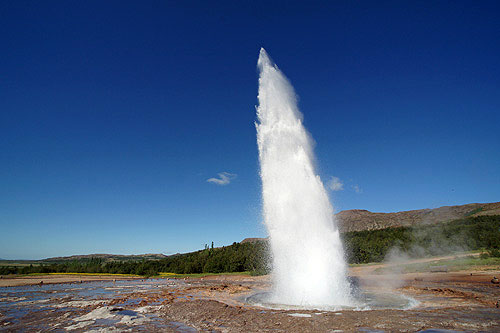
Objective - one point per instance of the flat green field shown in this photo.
(19, 263)
(197, 275)
(452, 265)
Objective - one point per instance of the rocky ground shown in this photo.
(460, 301)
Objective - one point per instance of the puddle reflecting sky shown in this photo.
(70, 305)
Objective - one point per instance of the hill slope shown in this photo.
(358, 219)
(108, 257)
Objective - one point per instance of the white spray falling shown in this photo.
(308, 264)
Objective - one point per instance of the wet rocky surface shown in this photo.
(448, 301)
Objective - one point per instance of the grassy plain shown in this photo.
(454, 264)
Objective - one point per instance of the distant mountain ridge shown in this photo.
(359, 219)
(109, 257)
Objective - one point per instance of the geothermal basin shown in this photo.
(311, 288)
(363, 300)
(455, 301)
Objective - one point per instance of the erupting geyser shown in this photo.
(308, 264)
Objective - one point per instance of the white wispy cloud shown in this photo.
(224, 178)
(357, 189)
(335, 184)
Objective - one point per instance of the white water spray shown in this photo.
(308, 264)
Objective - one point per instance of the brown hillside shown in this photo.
(358, 219)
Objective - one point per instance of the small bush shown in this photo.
(484, 255)
(494, 253)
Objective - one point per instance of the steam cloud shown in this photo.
(357, 189)
(335, 184)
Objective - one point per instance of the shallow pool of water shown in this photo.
(363, 301)
(57, 306)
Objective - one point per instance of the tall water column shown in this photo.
(308, 259)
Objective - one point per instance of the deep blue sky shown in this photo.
(113, 115)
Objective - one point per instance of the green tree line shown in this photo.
(472, 233)
(238, 257)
